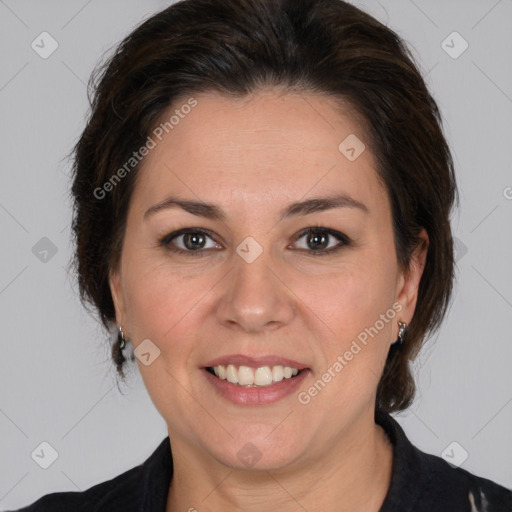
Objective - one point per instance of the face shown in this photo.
(251, 283)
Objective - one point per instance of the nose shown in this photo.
(255, 297)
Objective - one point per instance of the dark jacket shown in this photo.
(420, 483)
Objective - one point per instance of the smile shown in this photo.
(253, 377)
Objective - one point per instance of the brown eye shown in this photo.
(193, 241)
(318, 241)
(188, 241)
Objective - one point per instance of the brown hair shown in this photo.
(236, 47)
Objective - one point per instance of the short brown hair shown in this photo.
(237, 47)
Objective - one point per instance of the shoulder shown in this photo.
(424, 482)
(447, 484)
(143, 487)
(118, 493)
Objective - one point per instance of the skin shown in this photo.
(253, 157)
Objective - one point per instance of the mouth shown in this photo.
(255, 381)
(245, 381)
(254, 377)
(263, 371)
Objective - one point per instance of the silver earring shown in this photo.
(401, 334)
(122, 343)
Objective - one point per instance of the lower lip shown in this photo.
(262, 395)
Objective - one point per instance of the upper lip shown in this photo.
(255, 362)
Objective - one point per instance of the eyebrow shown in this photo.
(215, 212)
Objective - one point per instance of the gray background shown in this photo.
(56, 380)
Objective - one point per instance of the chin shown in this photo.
(260, 452)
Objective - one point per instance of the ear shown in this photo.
(116, 290)
(409, 280)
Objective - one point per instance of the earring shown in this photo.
(122, 343)
(401, 334)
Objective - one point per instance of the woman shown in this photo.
(262, 201)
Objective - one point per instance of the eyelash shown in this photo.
(165, 241)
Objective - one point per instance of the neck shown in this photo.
(353, 475)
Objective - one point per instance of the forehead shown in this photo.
(268, 148)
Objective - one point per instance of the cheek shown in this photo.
(351, 299)
(351, 304)
(163, 305)
(149, 299)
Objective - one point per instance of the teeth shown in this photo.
(245, 376)
(263, 376)
(277, 373)
(231, 374)
(251, 377)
